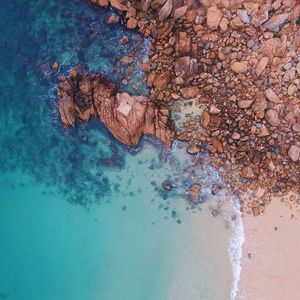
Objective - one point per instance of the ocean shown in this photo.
(82, 216)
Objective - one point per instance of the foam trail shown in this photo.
(235, 247)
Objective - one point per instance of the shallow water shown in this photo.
(81, 216)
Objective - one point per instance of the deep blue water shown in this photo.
(81, 216)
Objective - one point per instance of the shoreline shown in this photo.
(270, 254)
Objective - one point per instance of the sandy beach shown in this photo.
(270, 263)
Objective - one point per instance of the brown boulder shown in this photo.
(126, 117)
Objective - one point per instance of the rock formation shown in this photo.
(127, 117)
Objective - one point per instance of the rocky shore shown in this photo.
(238, 61)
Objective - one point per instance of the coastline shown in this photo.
(270, 254)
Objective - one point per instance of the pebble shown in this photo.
(294, 153)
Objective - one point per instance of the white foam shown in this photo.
(235, 247)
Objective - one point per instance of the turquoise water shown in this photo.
(81, 216)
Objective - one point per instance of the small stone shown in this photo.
(217, 145)
(161, 82)
(55, 66)
(132, 23)
(276, 21)
(260, 67)
(214, 16)
(255, 211)
(113, 20)
(180, 12)
(235, 136)
(291, 89)
(272, 96)
(243, 104)
(205, 119)
(296, 127)
(166, 10)
(126, 60)
(263, 131)
(243, 15)
(167, 185)
(189, 92)
(272, 117)
(118, 5)
(294, 153)
(194, 193)
(239, 67)
(214, 110)
(193, 149)
(224, 24)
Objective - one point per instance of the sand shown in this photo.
(271, 251)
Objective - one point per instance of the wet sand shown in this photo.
(270, 263)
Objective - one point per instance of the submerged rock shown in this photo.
(127, 117)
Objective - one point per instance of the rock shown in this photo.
(183, 44)
(126, 117)
(224, 24)
(214, 110)
(292, 89)
(217, 145)
(113, 19)
(235, 136)
(260, 104)
(255, 211)
(132, 23)
(214, 16)
(193, 149)
(294, 153)
(55, 66)
(190, 92)
(261, 16)
(296, 127)
(185, 67)
(205, 119)
(150, 79)
(272, 96)
(146, 67)
(167, 185)
(117, 4)
(165, 11)
(272, 117)
(126, 60)
(194, 193)
(276, 21)
(102, 3)
(243, 104)
(161, 82)
(263, 131)
(180, 12)
(243, 15)
(260, 67)
(239, 67)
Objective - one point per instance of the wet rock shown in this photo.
(275, 22)
(132, 23)
(117, 4)
(193, 149)
(214, 16)
(239, 67)
(167, 185)
(194, 193)
(126, 60)
(294, 153)
(126, 117)
(55, 66)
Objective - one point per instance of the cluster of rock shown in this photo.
(241, 60)
(126, 117)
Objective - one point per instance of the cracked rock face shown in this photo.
(127, 117)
